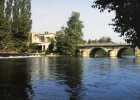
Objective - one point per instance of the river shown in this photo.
(70, 78)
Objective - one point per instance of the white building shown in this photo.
(42, 39)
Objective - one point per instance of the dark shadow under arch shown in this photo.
(126, 52)
(98, 52)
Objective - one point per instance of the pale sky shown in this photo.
(51, 15)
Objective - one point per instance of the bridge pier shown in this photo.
(113, 53)
(85, 53)
(137, 52)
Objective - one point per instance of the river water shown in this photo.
(69, 78)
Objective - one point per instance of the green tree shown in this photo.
(89, 41)
(92, 41)
(4, 33)
(8, 14)
(21, 24)
(25, 17)
(15, 23)
(2, 2)
(68, 38)
(127, 19)
(15, 16)
(60, 41)
(73, 33)
(2, 22)
(105, 40)
(51, 46)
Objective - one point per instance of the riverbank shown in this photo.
(25, 55)
(18, 57)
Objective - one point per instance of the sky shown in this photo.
(51, 15)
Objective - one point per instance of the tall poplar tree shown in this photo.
(15, 16)
(15, 23)
(8, 14)
(8, 40)
(21, 24)
(3, 25)
(1, 16)
(25, 17)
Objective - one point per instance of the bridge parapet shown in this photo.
(103, 45)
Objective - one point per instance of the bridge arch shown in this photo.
(126, 51)
(98, 52)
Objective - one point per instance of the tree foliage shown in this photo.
(4, 35)
(105, 40)
(61, 41)
(21, 24)
(51, 46)
(127, 19)
(101, 40)
(69, 37)
(15, 23)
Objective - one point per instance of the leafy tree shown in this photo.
(89, 41)
(21, 24)
(15, 23)
(83, 41)
(92, 41)
(51, 46)
(2, 2)
(68, 38)
(25, 17)
(8, 14)
(73, 33)
(127, 19)
(1, 21)
(33, 48)
(5, 38)
(60, 41)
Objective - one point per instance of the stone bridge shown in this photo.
(111, 49)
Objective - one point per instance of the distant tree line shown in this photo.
(101, 40)
(15, 24)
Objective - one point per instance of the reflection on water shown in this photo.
(64, 72)
(15, 80)
(137, 61)
(69, 78)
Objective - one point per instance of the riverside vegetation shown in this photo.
(15, 25)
